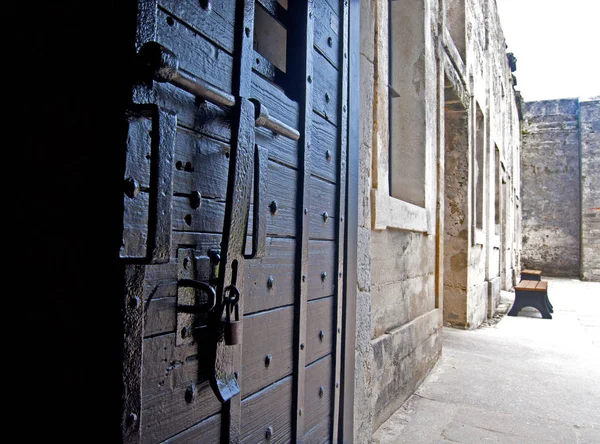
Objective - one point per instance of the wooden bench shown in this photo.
(529, 293)
(531, 275)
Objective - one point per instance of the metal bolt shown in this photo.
(341, 218)
(190, 392)
(339, 330)
(195, 199)
(323, 275)
(327, 98)
(300, 412)
(273, 207)
(205, 4)
(247, 31)
(340, 274)
(268, 360)
(302, 346)
(131, 418)
(185, 332)
(268, 433)
(134, 302)
(309, 79)
(236, 374)
(321, 335)
(329, 41)
(306, 211)
(270, 282)
(337, 385)
(131, 187)
(303, 278)
(325, 216)
(328, 155)
(321, 391)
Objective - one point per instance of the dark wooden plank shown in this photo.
(202, 117)
(268, 348)
(278, 263)
(208, 431)
(174, 396)
(321, 259)
(277, 103)
(196, 55)
(323, 200)
(282, 149)
(201, 164)
(320, 318)
(268, 408)
(215, 24)
(207, 218)
(326, 89)
(282, 185)
(327, 26)
(325, 149)
(318, 395)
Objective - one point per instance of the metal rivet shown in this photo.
(325, 216)
(344, 108)
(328, 155)
(309, 79)
(273, 207)
(247, 30)
(327, 98)
(270, 282)
(321, 335)
(185, 332)
(300, 412)
(303, 278)
(341, 218)
(131, 187)
(329, 41)
(269, 433)
(340, 274)
(337, 385)
(268, 360)
(306, 211)
(134, 302)
(310, 14)
(323, 275)
(195, 199)
(131, 418)
(190, 392)
(236, 374)
(339, 330)
(302, 346)
(205, 4)
(188, 219)
(186, 263)
(321, 391)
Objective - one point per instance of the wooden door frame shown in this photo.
(346, 429)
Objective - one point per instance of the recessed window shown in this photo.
(407, 101)
(479, 167)
(270, 38)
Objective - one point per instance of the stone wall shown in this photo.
(561, 187)
(410, 109)
(589, 118)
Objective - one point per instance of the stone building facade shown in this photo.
(561, 187)
(439, 188)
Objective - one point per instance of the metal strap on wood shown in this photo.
(163, 66)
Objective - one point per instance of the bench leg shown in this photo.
(533, 299)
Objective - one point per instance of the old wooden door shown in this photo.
(234, 210)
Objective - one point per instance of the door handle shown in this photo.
(148, 185)
(161, 65)
(259, 220)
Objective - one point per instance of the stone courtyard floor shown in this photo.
(514, 380)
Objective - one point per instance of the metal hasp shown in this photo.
(162, 65)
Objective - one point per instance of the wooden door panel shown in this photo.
(278, 264)
(214, 23)
(279, 105)
(264, 409)
(318, 396)
(320, 329)
(207, 431)
(268, 348)
(196, 55)
(325, 94)
(321, 259)
(327, 39)
(323, 209)
(325, 149)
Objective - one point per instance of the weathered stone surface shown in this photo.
(589, 118)
(551, 187)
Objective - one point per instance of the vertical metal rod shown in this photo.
(300, 63)
(341, 223)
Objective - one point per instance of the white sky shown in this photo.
(557, 45)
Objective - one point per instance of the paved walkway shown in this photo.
(516, 380)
